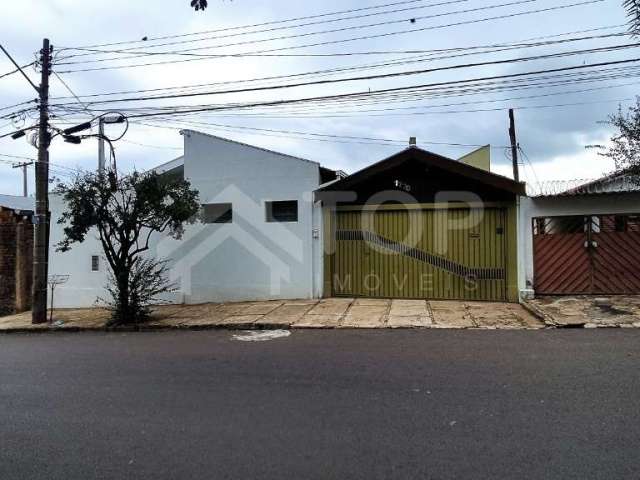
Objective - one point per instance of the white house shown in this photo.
(261, 230)
(260, 235)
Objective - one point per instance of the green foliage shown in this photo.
(126, 213)
(625, 143)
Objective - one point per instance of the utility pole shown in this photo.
(101, 159)
(514, 145)
(25, 187)
(41, 218)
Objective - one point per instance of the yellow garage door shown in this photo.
(421, 253)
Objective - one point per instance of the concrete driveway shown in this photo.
(325, 313)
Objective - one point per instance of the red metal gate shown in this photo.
(587, 254)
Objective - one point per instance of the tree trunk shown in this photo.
(123, 308)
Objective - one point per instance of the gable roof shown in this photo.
(429, 159)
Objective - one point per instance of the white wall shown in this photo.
(84, 286)
(532, 207)
(247, 259)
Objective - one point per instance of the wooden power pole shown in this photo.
(101, 158)
(25, 185)
(514, 145)
(41, 218)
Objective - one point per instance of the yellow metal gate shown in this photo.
(421, 253)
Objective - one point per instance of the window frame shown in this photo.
(281, 217)
(95, 263)
(220, 219)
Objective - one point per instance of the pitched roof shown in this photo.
(429, 159)
(170, 165)
(22, 204)
(247, 145)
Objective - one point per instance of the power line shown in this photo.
(18, 157)
(333, 42)
(368, 77)
(90, 51)
(508, 46)
(151, 146)
(19, 69)
(341, 12)
(18, 104)
(323, 135)
(16, 70)
(71, 91)
(60, 169)
(357, 53)
(455, 90)
(479, 110)
(306, 34)
(365, 112)
(527, 159)
(468, 88)
(453, 82)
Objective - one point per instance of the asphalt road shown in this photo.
(321, 405)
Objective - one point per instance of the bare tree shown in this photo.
(633, 12)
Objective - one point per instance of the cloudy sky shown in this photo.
(557, 112)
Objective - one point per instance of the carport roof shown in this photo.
(429, 159)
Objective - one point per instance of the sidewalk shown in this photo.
(589, 311)
(325, 313)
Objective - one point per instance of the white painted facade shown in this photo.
(247, 259)
(562, 205)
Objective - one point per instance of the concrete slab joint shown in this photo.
(302, 313)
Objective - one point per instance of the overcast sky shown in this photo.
(553, 137)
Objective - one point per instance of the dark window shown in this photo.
(620, 223)
(559, 225)
(282, 211)
(95, 263)
(217, 213)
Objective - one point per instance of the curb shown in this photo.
(539, 313)
(229, 327)
(146, 328)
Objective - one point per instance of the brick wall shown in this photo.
(24, 264)
(16, 250)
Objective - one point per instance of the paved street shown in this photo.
(321, 404)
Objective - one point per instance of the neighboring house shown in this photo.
(16, 253)
(420, 225)
(260, 236)
(582, 240)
